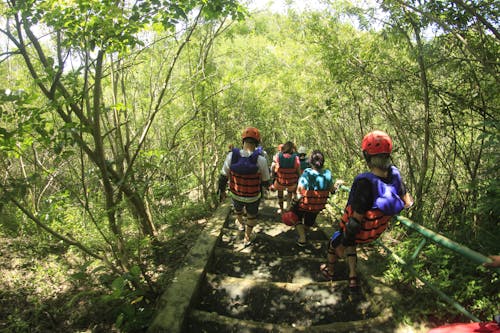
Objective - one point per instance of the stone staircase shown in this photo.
(272, 285)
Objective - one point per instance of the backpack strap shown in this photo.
(236, 155)
(255, 155)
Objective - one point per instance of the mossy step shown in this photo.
(279, 230)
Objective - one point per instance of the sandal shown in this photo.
(326, 272)
(353, 283)
(301, 244)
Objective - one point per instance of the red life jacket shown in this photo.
(374, 224)
(313, 201)
(386, 204)
(286, 174)
(244, 175)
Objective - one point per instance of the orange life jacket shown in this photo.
(286, 173)
(313, 201)
(244, 175)
(373, 225)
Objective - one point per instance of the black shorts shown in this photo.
(307, 218)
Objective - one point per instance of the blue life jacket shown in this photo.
(245, 165)
(386, 196)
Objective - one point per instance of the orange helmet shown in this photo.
(251, 132)
(377, 142)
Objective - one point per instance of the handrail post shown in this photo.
(418, 249)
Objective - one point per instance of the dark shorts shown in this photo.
(307, 218)
(251, 207)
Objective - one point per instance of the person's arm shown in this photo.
(223, 177)
(297, 166)
(264, 173)
(406, 196)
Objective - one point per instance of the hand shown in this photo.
(338, 183)
(408, 200)
(495, 263)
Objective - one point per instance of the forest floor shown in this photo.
(54, 289)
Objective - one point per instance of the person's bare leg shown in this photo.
(352, 260)
(328, 269)
(251, 222)
(301, 231)
(240, 222)
(280, 201)
(288, 199)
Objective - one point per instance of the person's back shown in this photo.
(374, 198)
(287, 170)
(248, 173)
(314, 188)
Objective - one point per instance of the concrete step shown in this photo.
(292, 268)
(293, 304)
(272, 285)
(232, 239)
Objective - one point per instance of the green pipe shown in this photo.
(446, 242)
(448, 299)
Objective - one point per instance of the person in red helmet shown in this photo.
(375, 197)
(248, 173)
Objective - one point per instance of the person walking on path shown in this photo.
(248, 174)
(287, 169)
(375, 197)
(304, 161)
(313, 190)
(272, 168)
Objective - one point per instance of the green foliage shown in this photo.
(129, 304)
(313, 78)
(470, 286)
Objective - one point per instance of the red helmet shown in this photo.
(290, 218)
(377, 142)
(251, 132)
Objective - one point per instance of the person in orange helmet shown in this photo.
(375, 197)
(248, 173)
